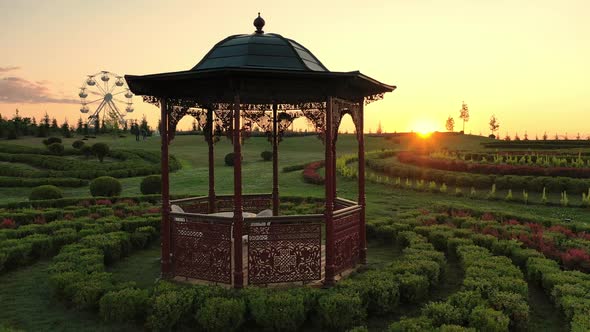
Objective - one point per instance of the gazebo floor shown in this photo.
(313, 283)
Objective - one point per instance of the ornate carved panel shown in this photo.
(342, 107)
(280, 252)
(250, 203)
(264, 120)
(201, 250)
(346, 241)
(316, 114)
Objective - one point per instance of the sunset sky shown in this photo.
(526, 61)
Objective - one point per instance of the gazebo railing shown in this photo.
(202, 247)
(284, 249)
(346, 238)
(277, 249)
(224, 203)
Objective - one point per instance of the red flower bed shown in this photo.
(556, 242)
(310, 173)
(456, 165)
(7, 223)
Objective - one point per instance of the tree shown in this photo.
(545, 136)
(65, 129)
(464, 114)
(100, 150)
(54, 126)
(526, 136)
(103, 126)
(143, 125)
(494, 124)
(450, 125)
(507, 137)
(578, 137)
(379, 130)
(80, 126)
(516, 137)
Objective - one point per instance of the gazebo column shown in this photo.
(211, 143)
(166, 265)
(329, 207)
(275, 162)
(361, 181)
(238, 209)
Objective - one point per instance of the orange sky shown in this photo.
(527, 61)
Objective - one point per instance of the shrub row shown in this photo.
(457, 165)
(64, 202)
(78, 276)
(493, 296)
(95, 208)
(30, 242)
(34, 182)
(537, 145)
(131, 163)
(569, 290)
(531, 183)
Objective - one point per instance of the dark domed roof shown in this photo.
(260, 50)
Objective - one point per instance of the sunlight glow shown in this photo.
(424, 128)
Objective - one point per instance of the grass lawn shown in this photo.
(25, 296)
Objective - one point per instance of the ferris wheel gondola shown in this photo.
(108, 106)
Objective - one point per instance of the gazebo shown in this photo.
(264, 80)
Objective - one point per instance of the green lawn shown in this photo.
(25, 296)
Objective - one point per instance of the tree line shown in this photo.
(19, 126)
(494, 126)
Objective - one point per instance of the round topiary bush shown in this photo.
(78, 144)
(151, 185)
(56, 148)
(45, 192)
(100, 150)
(105, 186)
(229, 159)
(266, 155)
(86, 151)
(51, 140)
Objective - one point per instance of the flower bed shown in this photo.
(499, 284)
(529, 169)
(311, 175)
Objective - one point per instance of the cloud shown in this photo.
(9, 68)
(19, 90)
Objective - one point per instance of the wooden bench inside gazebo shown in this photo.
(264, 80)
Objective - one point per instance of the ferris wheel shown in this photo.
(106, 91)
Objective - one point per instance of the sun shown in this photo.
(424, 134)
(424, 128)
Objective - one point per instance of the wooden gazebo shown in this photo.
(265, 80)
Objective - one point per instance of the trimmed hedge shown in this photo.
(105, 186)
(56, 148)
(100, 150)
(151, 185)
(45, 192)
(128, 304)
(221, 314)
(266, 155)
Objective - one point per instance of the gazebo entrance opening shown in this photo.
(241, 239)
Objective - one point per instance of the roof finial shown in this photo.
(259, 24)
